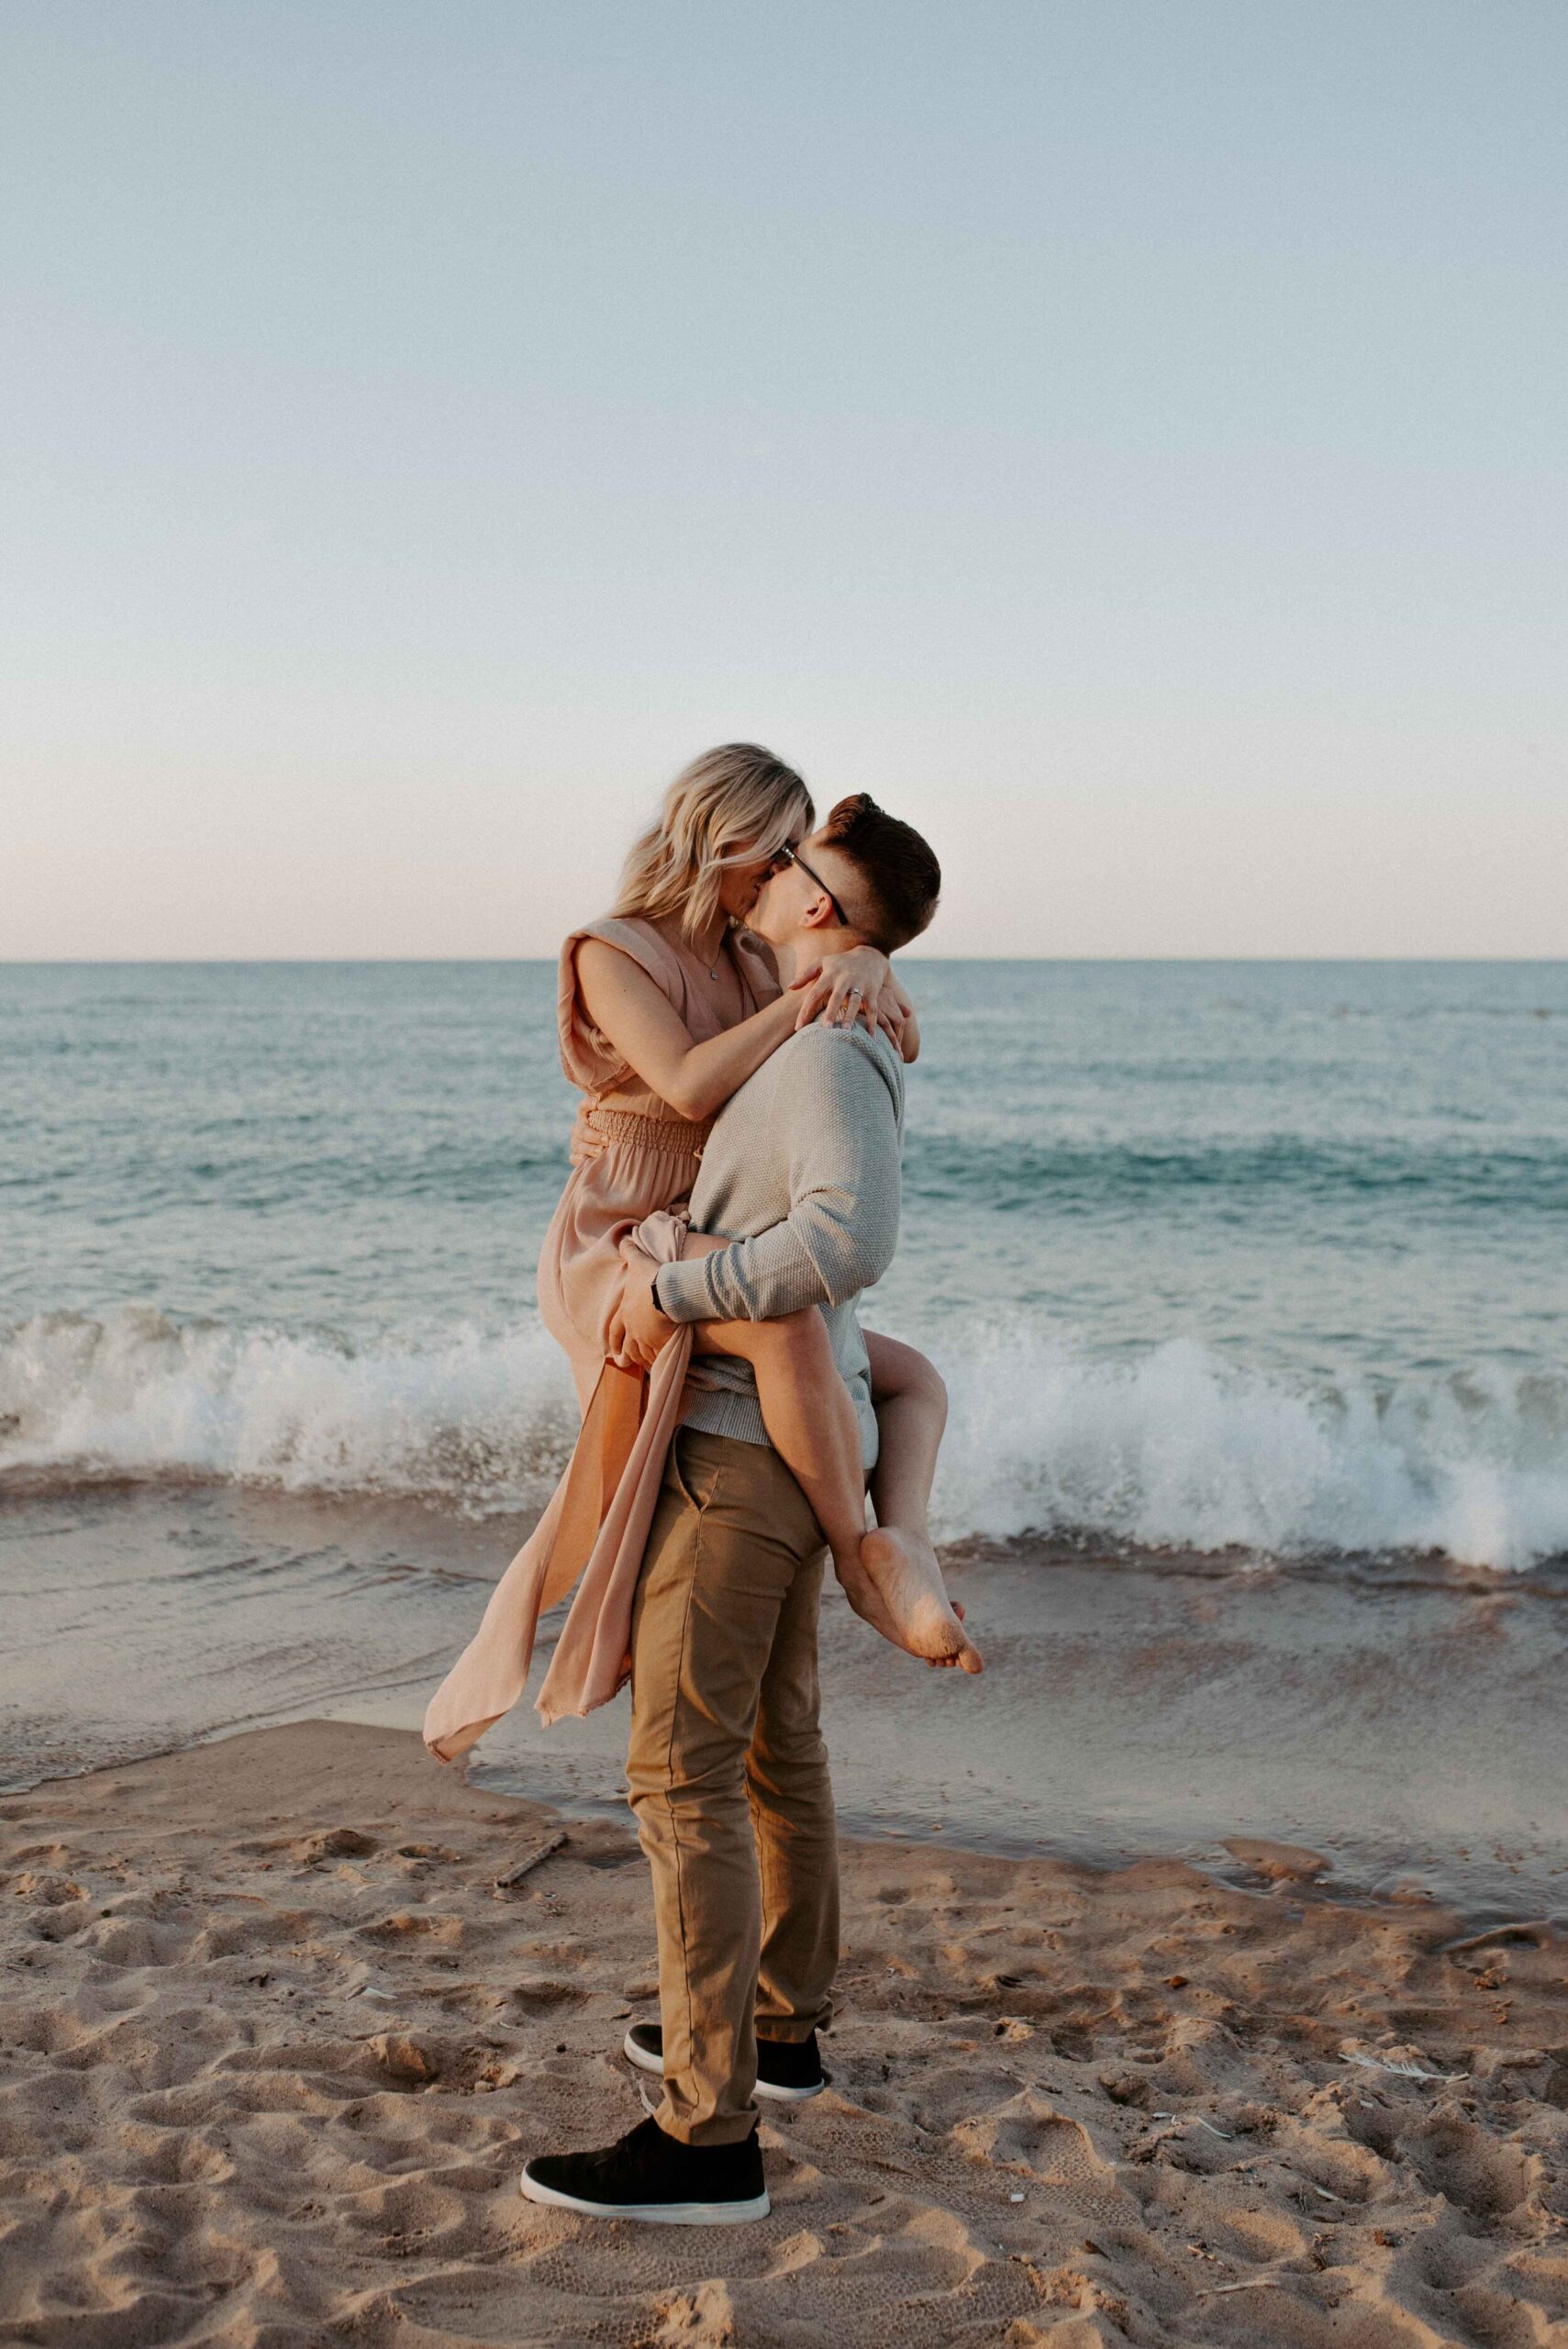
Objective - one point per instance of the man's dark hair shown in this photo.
(900, 878)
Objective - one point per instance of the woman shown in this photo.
(670, 1005)
(665, 1008)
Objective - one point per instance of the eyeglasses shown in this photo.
(788, 855)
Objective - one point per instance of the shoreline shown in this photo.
(275, 2047)
(1231, 1864)
(1407, 1728)
(61, 1483)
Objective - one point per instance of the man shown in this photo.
(725, 1766)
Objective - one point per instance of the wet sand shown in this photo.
(274, 2047)
(1405, 1719)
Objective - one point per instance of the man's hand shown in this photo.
(640, 1330)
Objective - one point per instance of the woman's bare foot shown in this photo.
(865, 1599)
(903, 1570)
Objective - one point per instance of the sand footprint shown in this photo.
(333, 1843)
(1453, 2157)
(1029, 2133)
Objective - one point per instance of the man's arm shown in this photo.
(838, 1121)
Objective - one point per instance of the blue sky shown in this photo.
(1126, 438)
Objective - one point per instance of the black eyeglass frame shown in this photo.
(788, 855)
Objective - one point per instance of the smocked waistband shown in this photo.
(682, 1136)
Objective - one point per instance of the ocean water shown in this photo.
(1248, 1283)
(1268, 1259)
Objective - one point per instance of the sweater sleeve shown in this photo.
(837, 1120)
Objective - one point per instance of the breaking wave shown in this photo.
(1173, 1448)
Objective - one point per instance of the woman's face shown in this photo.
(742, 884)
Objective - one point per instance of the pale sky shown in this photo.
(1128, 439)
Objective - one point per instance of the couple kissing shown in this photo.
(739, 1040)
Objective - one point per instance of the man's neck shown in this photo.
(809, 946)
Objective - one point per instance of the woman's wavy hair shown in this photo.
(732, 806)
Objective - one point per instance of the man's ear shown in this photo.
(819, 914)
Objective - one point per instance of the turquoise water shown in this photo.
(1252, 1255)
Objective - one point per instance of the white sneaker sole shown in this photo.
(653, 2214)
(647, 2063)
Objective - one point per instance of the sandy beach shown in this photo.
(275, 2045)
(921, 645)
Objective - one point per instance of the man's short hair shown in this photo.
(900, 878)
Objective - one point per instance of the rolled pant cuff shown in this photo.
(732, 2129)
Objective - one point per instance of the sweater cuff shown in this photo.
(683, 1294)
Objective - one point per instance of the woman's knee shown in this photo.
(926, 1382)
(901, 1373)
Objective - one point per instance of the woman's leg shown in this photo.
(911, 1411)
(793, 1363)
(911, 1405)
(806, 1410)
(813, 1427)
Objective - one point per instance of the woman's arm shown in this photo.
(642, 1024)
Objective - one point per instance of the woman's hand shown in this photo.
(856, 986)
(639, 1332)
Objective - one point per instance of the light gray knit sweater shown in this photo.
(801, 1172)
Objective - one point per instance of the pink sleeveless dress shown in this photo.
(634, 1161)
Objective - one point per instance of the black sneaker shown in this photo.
(649, 2176)
(788, 2070)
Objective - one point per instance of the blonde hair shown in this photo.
(735, 804)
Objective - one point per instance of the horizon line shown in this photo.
(450, 962)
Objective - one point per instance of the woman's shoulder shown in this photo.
(642, 942)
(624, 931)
(587, 1055)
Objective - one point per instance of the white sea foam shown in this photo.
(1173, 1448)
(1176, 1448)
(482, 1421)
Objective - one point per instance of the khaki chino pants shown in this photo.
(728, 1776)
